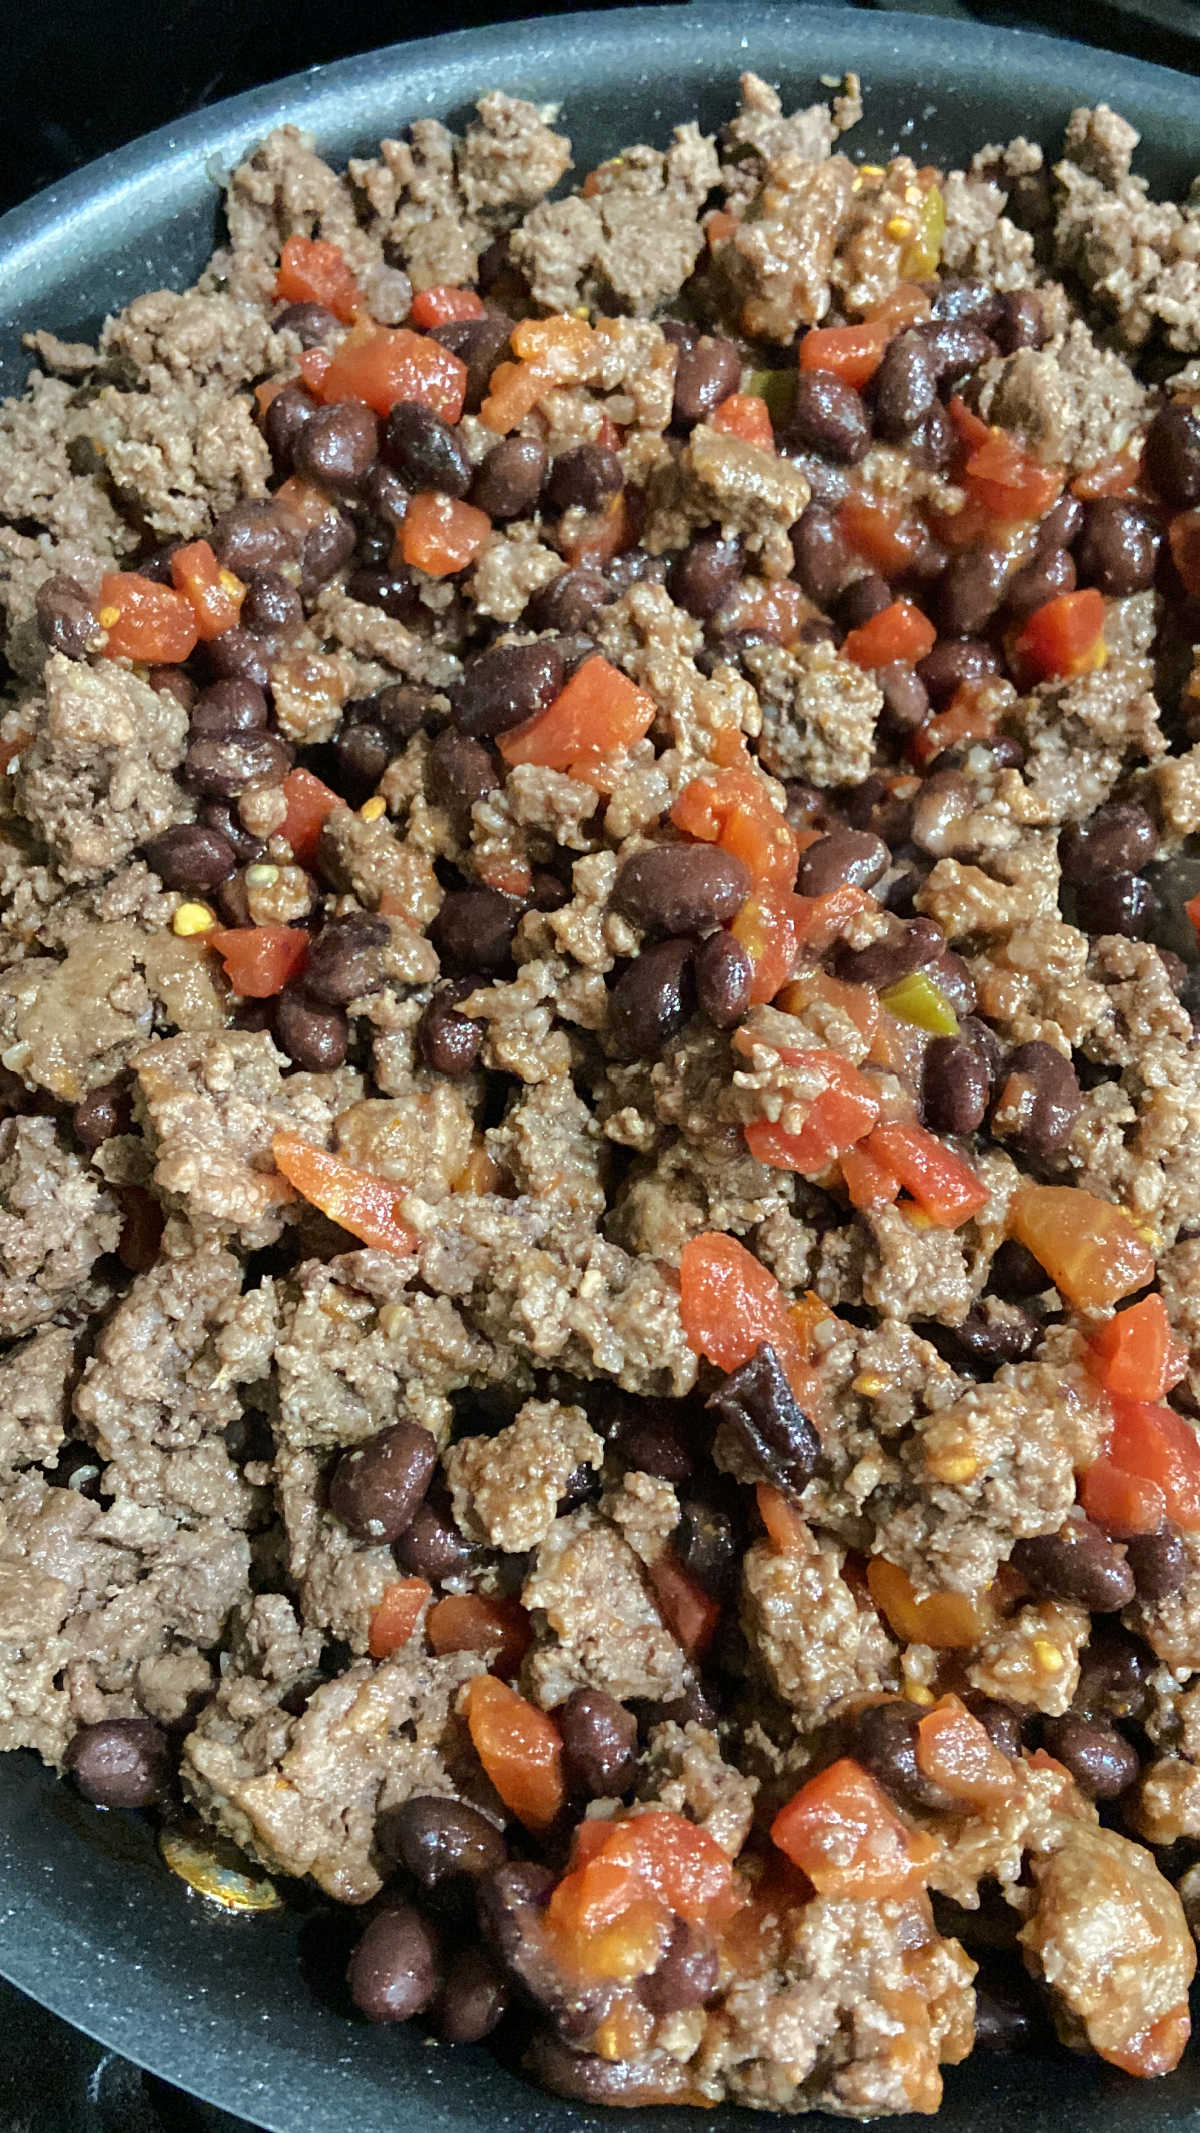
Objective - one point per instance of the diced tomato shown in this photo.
(730, 1305)
(947, 1621)
(677, 1861)
(313, 365)
(603, 534)
(1089, 1248)
(309, 804)
(397, 1615)
(971, 429)
(842, 1113)
(514, 390)
(1064, 637)
(943, 1186)
(366, 1205)
(689, 1612)
(564, 346)
(1192, 908)
(1114, 476)
(900, 631)
(1158, 1445)
(1122, 1503)
(390, 363)
(851, 353)
(903, 305)
(869, 1183)
(970, 715)
(599, 711)
(1014, 487)
(787, 1529)
(214, 595)
(145, 621)
(313, 271)
(769, 927)
(478, 1622)
(857, 1002)
(1135, 1355)
(441, 534)
(441, 305)
(719, 224)
(747, 416)
(520, 1749)
(1183, 536)
(734, 809)
(260, 960)
(841, 1831)
(956, 1752)
(883, 530)
(303, 503)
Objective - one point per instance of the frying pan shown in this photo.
(233, 2009)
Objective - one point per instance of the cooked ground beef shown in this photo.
(599, 1195)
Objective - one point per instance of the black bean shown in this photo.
(253, 537)
(345, 960)
(1079, 1563)
(885, 1743)
(433, 1547)
(993, 1333)
(233, 903)
(821, 554)
(509, 1903)
(829, 417)
(394, 591)
(887, 961)
(1159, 1563)
(952, 978)
(933, 442)
(283, 421)
(172, 681)
(1051, 572)
(724, 975)
(474, 929)
(571, 601)
(311, 323)
(829, 485)
(328, 546)
(875, 806)
(652, 999)
(156, 565)
(1015, 1272)
(479, 343)
(66, 619)
(1044, 1089)
(314, 1037)
(845, 856)
(635, 566)
(680, 888)
(219, 815)
(1020, 323)
(238, 655)
(956, 296)
(394, 1971)
(707, 1545)
(1000, 1721)
(905, 697)
(402, 708)
(1171, 458)
(338, 447)
(706, 372)
(425, 452)
(226, 708)
(955, 347)
(119, 1762)
(953, 661)
(473, 2000)
(1118, 548)
(440, 1839)
(224, 770)
(687, 1974)
(573, 650)
(509, 482)
(729, 647)
(954, 1087)
(702, 578)
(505, 686)
(651, 1436)
(905, 385)
(191, 858)
(102, 1113)
(1062, 524)
(460, 772)
(387, 500)
(1123, 904)
(1100, 1759)
(585, 477)
(760, 1407)
(693, 1708)
(375, 1489)
(272, 606)
(1117, 839)
(363, 753)
(971, 590)
(862, 599)
(448, 1043)
(1003, 2023)
(599, 1738)
(1114, 1673)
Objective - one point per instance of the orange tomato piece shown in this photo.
(690, 1613)
(857, 1002)
(313, 271)
(719, 225)
(842, 1113)
(769, 927)
(1114, 476)
(900, 631)
(948, 1621)
(1064, 637)
(841, 1831)
(479, 1622)
(367, 1206)
(1136, 1355)
(943, 1186)
(309, 804)
(869, 1184)
(1124, 1504)
(1089, 1248)
(730, 1304)
(564, 345)
(514, 390)
(603, 534)
(678, 1862)
(260, 960)
(747, 416)
(971, 429)
(214, 595)
(440, 534)
(1192, 908)
(599, 711)
(389, 363)
(883, 530)
(956, 1752)
(313, 365)
(520, 1748)
(1015, 488)
(734, 809)
(1157, 1445)
(970, 715)
(397, 1615)
(145, 621)
(787, 1531)
(440, 305)
(851, 353)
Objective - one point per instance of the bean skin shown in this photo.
(238, 655)
(447, 1042)
(956, 347)
(954, 1087)
(432, 1546)
(905, 386)
(758, 1404)
(394, 1971)
(652, 999)
(885, 1743)
(119, 1762)
(424, 451)
(1118, 839)
(442, 1839)
(1000, 1721)
(337, 448)
(375, 1489)
(344, 962)
(571, 601)
(474, 930)
(680, 888)
(480, 344)
(282, 423)
(326, 548)
(66, 619)
(311, 323)
(226, 708)
(1050, 573)
(224, 770)
(706, 371)
(829, 417)
(971, 591)
(1159, 1563)
(724, 975)
(953, 661)
(315, 1038)
(1062, 524)
(821, 554)
(1020, 323)
(103, 1113)
(585, 477)
(845, 856)
(460, 772)
(1172, 455)
(272, 606)
(687, 1975)
(191, 858)
(702, 578)
(1002, 1334)
(599, 1738)
(474, 1998)
(862, 599)
(1042, 1086)
(505, 686)
(957, 296)
(1123, 904)
(884, 962)
(1100, 1759)
(1118, 548)
(1079, 1563)
(253, 537)
(509, 482)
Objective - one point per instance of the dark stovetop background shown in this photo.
(80, 78)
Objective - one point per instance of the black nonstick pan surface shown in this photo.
(231, 2008)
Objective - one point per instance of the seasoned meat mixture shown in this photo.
(600, 1161)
